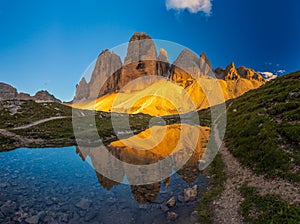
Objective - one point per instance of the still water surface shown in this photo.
(58, 185)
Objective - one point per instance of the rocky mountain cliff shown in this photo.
(7, 92)
(110, 76)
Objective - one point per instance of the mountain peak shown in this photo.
(139, 36)
(230, 66)
(163, 55)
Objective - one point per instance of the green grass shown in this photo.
(6, 143)
(264, 131)
(267, 209)
(55, 129)
(216, 172)
(29, 111)
(60, 132)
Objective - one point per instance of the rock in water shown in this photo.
(172, 215)
(171, 202)
(83, 204)
(9, 207)
(33, 219)
(190, 193)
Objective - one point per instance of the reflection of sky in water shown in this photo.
(56, 180)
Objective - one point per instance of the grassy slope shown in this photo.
(263, 134)
(30, 111)
(56, 132)
(267, 209)
(263, 128)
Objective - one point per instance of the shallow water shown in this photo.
(58, 185)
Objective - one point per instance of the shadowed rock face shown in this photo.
(107, 63)
(7, 91)
(82, 89)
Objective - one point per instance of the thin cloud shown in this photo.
(193, 6)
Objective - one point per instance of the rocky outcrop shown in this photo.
(7, 92)
(231, 73)
(162, 65)
(140, 61)
(24, 96)
(185, 68)
(250, 74)
(82, 89)
(140, 48)
(44, 96)
(188, 67)
(205, 65)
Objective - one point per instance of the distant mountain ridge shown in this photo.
(8, 92)
(142, 60)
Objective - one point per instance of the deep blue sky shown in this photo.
(49, 44)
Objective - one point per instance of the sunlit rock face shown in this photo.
(177, 142)
(126, 88)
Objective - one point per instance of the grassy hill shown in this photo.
(14, 113)
(54, 133)
(263, 128)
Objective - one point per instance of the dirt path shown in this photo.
(226, 208)
(39, 122)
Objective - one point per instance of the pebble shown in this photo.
(171, 202)
(181, 198)
(90, 215)
(33, 219)
(194, 216)
(164, 208)
(172, 215)
(8, 208)
(190, 193)
(83, 204)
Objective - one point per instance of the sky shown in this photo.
(49, 44)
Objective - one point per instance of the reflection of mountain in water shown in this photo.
(174, 142)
